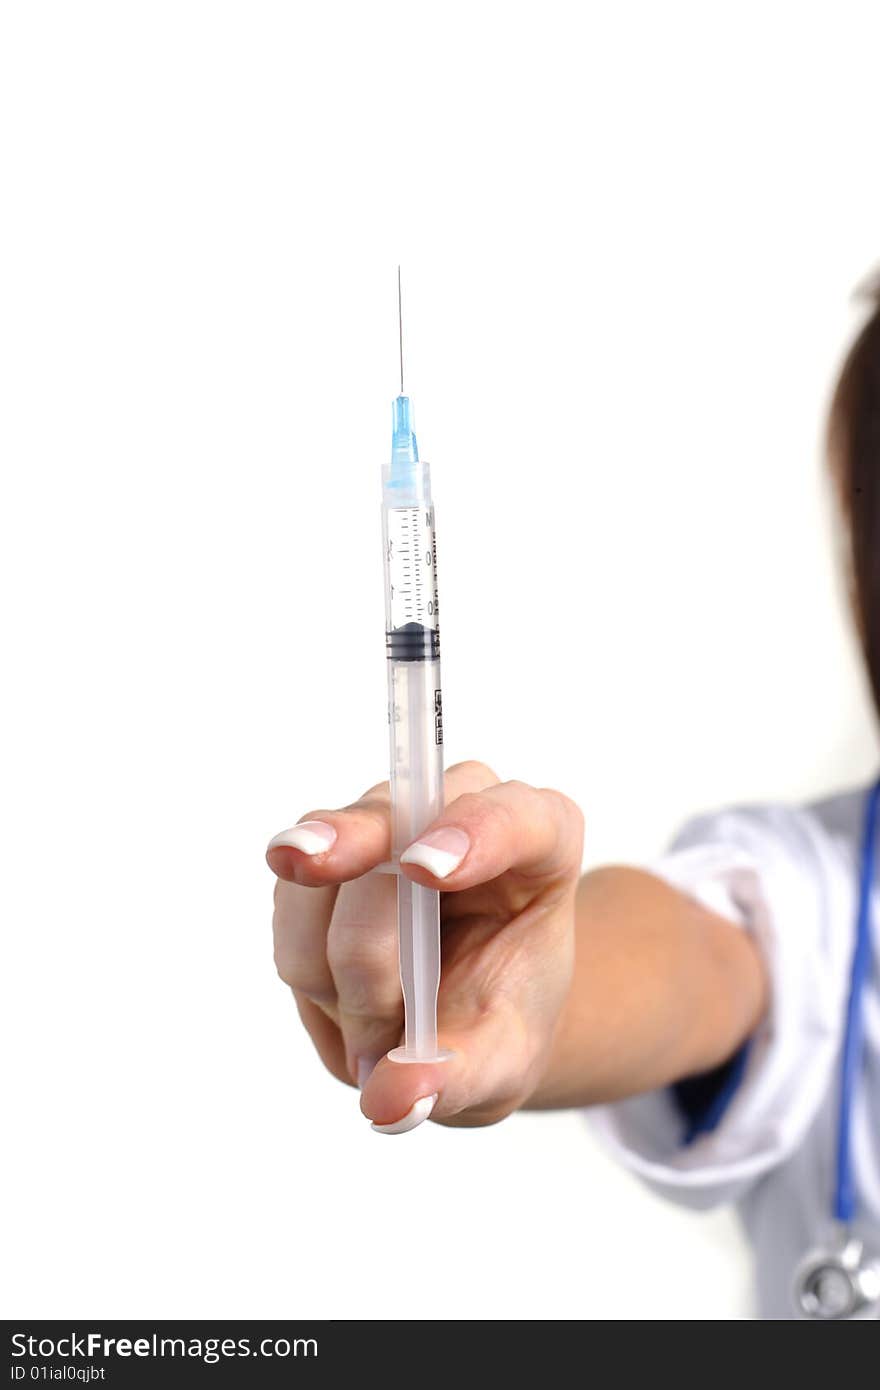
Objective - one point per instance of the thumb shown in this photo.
(479, 1083)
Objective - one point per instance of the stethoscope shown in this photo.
(840, 1280)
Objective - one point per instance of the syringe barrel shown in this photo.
(416, 800)
(412, 645)
(415, 719)
(416, 748)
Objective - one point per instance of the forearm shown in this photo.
(661, 989)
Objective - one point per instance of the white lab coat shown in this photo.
(788, 875)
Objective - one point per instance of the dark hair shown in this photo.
(854, 455)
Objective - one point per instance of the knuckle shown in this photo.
(565, 804)
(286, 972)
(483, 812)
(308, 977)
(506, 816)
(523, 801)
(366, 1004)
(472, 767)
(361, 955)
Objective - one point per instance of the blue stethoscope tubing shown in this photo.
(845, 1197)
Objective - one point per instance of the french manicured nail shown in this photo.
(310, 836)
(440, 851)
(412, 1119)
(365, 1068)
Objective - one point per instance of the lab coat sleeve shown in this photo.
(771, 870)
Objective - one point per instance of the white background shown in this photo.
(629, 235)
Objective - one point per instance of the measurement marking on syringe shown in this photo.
(412, 567)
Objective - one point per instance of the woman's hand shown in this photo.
(507, 858)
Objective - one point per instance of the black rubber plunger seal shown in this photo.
(412, 642)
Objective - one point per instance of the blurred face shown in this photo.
(854, 466)
(837, 469)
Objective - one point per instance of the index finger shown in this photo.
(336, 846)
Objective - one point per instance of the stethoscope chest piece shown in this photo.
(838, 1283)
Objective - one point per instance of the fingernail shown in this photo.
(412, 1119)
(310, 836)
(439, 852)
(365, 1068)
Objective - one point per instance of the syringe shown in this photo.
(415, 714)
